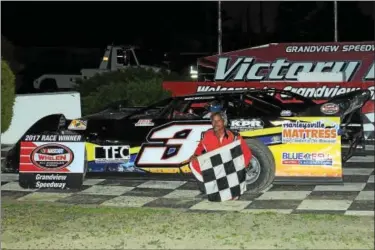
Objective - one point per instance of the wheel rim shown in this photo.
(253, 171)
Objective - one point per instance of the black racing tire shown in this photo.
(201, 187)
(267, 166)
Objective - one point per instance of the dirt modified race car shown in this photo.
(292, 142)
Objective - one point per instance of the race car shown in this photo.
(291, 142)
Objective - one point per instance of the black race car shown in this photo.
(161, 137)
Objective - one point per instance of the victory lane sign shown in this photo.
(52, 161)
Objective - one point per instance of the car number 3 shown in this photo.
(171, 145)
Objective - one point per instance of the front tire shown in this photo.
(263, 174)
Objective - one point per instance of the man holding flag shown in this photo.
(220, 161)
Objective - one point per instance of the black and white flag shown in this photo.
(222, 171)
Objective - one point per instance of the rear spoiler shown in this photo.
(347, 105)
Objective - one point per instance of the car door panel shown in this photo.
(171, 144)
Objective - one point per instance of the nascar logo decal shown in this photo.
(52, 157)
(329, 108)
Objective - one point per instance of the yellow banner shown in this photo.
(311, 148)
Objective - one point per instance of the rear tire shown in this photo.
(266, 161)
(201, 187)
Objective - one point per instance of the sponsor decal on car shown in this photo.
(77, 125)
(330, 108)
(112, 154)
(246, 124)
(311, 159)
(129, 167)
(270, 140)
(199, 98)
(306, 132)
(144, 123)
(52, 157)
(286, 113)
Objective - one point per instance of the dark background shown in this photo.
(167, 26)
(160, 24)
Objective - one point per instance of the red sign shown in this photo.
(277, 66)
(283, 62)
(317, 91)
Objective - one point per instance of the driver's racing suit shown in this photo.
(210, 142)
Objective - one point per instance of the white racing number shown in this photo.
(171, 144)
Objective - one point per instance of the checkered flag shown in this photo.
(222, 171)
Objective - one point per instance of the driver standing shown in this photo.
(217, 137)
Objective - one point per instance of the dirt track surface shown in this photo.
(28, 225)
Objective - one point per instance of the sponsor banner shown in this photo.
(252, 69)
(66, 157)
(51, 164)
(318, 92)
(50, 180)
(311, 158)
(330, 48)
(283, 62)
(307, 159)
(317, 132)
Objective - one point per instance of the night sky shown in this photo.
(172, 27)
(93, 24)
(155, 24)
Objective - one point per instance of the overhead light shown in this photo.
(193, 72)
